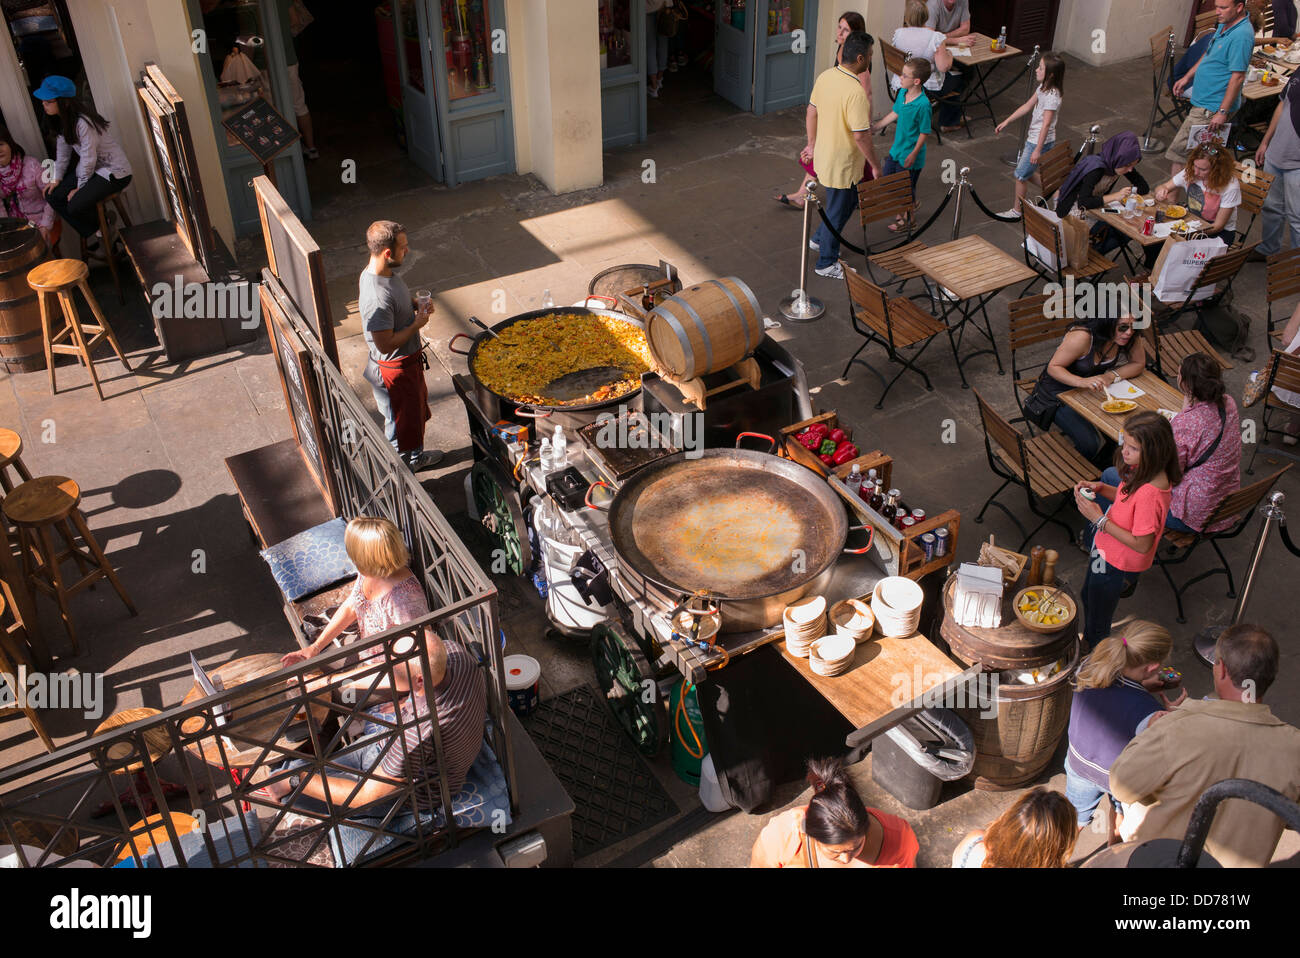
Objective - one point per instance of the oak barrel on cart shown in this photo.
(22, 348)
(705, 328)
(1016, 732)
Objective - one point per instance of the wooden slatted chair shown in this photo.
(1044, 466)
(1039, 228)
(884, 199)
(1217, 273)
(1265, 10)
(1204, 21)
(1054, 167)
(893, 60)
(1177, 547)
(1283, 372)
(1255, 184)
(897, 324)
(1282, 279)
(1167, 350)
(1029, 326)
(1177, 108)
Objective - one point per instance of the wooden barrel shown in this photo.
(704, 328)
(21, 249)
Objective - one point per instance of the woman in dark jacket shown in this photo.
(1119, 156)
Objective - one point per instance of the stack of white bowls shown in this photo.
(852, 617)
(805, 622)
(896, 602)
(832, 655)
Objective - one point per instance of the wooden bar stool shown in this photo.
(104, 224)
(10, 659)
(58, 277)
(41, 507)
(11, 454)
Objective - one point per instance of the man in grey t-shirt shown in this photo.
(949, 17)
(1279, 156)
(391, 324)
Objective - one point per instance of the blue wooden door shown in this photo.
(419, 105)
(622, 72)
(733, 51)
(785, 59)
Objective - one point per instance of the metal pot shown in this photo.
(497, 406)
(745, 529)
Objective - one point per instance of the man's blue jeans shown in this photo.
(840, 205)
(1281, 208)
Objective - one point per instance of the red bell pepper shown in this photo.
(844, 452)
(828, 460)
(809, 440)
(820, 428)
(839, 435)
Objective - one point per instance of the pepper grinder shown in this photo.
(1036, 555)
(1049, 567)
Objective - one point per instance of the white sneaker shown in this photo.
(1010, 214)
(814, 246)
(834, 271)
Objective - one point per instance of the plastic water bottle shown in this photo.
(547, 457)
(547, 301)
(1002, 39)
(854, 482)
(1131, 205)
(559, 449)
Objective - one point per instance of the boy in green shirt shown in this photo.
(912, 114)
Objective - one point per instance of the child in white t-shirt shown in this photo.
(1046, 104)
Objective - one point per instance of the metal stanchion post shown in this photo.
(800, 307)
(1273, 515)
(1012, 158)
(963, 184)
(1090, 144)
(1148, 144)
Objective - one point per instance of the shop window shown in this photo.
(467, 39)
(237, 55)
(409, 18)
(615, 33)
(783, 16)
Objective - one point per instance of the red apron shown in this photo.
(409, 395)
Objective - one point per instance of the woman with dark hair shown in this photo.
(1207, 432)
(834, 830)
(101, 168)
(21, 196)
(1127, 518)
(1093, 355)
(848, 23)
(1119, 156)
(1037, 831)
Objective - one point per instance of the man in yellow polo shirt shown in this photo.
(839, 136)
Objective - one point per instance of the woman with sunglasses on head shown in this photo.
(101, 168)
(1207, 432)
(834, 830)
(1094, 354)
(1127, 518)
(848, 23)
(1213, 192)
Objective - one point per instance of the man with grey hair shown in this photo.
(391, 322)
(1181, 753)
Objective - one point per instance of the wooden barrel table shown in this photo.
(1013, 747)
(22, 348)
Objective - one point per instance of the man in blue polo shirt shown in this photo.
(1217, 78)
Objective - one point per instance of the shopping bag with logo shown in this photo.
(1178, 266)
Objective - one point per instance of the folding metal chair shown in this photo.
(897, 324)
(1043, 231)
(1282, 279)
(1283, 372)
(1029, 326)
(884, 199)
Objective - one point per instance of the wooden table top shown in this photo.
(870, 690)
(980, 51)
(970, 267)
(1132, 228)
(1158, 393)
(240, 751)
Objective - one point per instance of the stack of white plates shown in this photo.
(896, 603)
(852, 617)
(805, 622)
(832, 655)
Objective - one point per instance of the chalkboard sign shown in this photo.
(169, 161)
(188, 182)
(300, 394)
(261, 128)
(295, 259)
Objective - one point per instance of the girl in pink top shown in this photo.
(21, 195)
(1127, 533)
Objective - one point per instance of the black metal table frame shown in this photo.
(967, 308)
(978, 84)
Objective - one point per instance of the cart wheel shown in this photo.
(499, 506)
(625, 676)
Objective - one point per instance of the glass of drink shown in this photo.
(423, 299)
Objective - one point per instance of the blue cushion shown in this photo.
(310, 561)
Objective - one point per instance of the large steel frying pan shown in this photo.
(578, 383)
(750, 530)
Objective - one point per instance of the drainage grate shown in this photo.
(614, 792)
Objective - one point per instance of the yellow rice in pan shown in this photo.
(533, 353)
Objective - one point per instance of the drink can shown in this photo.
(928, 543)
(918, 515)
(941, 542)
(1148, 226)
